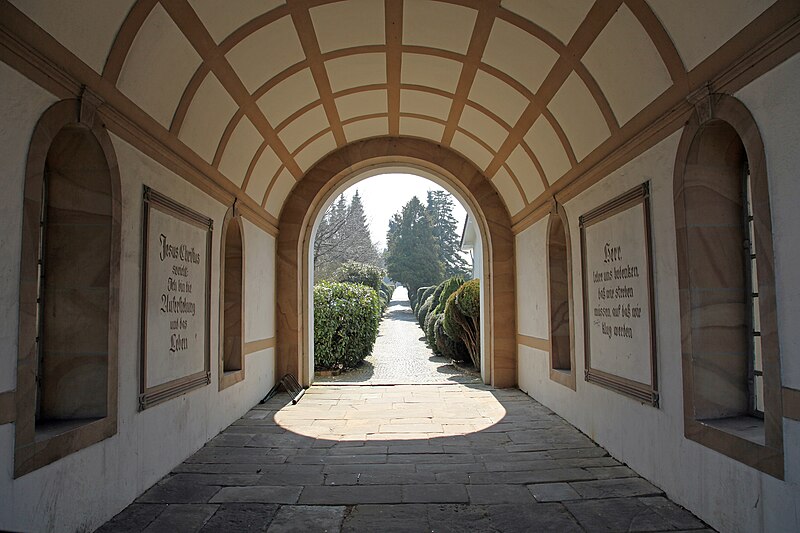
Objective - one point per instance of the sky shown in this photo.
(385, 195)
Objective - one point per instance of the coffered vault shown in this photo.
(540, 96)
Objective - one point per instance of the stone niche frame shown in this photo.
(644, 392)
(227, 379)
(153, 395)
(558, 220)
(697, 150)
(30, 452)
(305, 201)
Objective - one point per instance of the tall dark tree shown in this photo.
(412, 258)
(445, 230)
(342, 236)
(359, 241)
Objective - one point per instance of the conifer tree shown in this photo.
(412, 258)
(440, 211)
(343, 235)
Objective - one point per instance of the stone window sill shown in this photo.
(745, 427)
(51, 428)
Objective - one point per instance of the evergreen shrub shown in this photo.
(462, 318)
(424, 309)
(450, 347)
(361, 273)
(346, 317)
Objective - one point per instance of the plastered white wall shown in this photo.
(532, 307)
(21, 105)
(83, 490)
(727, 494)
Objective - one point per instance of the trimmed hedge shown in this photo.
(452, 348)
(346, 318)
(449, 286)
(424, 309)
(462, 318)
(361, 273)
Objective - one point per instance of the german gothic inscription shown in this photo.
(176, 289)
(617, 271)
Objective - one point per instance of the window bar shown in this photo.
(40, 298)
(751, 294)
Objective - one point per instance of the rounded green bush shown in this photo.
(428, 292)
(418, 299)
(449, 286)
(430, 330)
(450, 347)
(361, 273)
(346, 317)
(462, 318)
(469, 299)
(424, 309)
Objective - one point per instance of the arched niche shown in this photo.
(559, 299)
(720, 156)
(69, 289)
(231, 320)
(308, 199)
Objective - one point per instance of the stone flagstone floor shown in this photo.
(423, 458)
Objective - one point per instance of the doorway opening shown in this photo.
(407, 348)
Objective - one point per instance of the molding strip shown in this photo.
(533, 342)
(8, 407)
(791, 403)
(257, 346)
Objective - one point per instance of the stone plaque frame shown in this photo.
(644, 392)
(153, 395)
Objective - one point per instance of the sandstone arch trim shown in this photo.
(305, 201)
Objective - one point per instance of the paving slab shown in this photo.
(241, 518)
(260, 494)
(631, 514)
(499, 494)
(308, 518)
(182, 517)
(351, 495)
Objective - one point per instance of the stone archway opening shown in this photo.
(396, 176)
(361, 160)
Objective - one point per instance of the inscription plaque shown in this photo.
(619, 333)
(176, 283)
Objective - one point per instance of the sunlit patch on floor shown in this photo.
(402, 412)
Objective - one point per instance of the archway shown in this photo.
(400, 180)
(357, 161)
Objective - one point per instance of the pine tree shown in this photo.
(412, 258)
(360, 247)
(342, 236)
(440, 211)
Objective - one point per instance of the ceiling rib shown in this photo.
(661, 40)
(597, 18)
(394, 60)
(271, 185)
(308, 40)
(477, 44)
(124, 39)
(226, 136)
(536, 163)
(190, 25)
(187, 97)
(252, 164)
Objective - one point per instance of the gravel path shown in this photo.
(400, 356)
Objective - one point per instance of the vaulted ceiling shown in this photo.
(531, 91)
